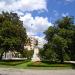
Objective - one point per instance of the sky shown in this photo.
(38, 15)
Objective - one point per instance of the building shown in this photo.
(31, 44)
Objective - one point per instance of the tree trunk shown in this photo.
(62, 60)
(62, 56)
(5, 54)
(1, 55)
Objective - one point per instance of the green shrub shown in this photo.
(27, 54)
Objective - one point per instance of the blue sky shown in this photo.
(38, 15)
(57, 9)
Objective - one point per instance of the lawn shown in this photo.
(33, 65)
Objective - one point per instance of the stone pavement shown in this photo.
(12, 71)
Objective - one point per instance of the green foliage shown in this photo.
(66, 22)
(60, 41)
(12, 33)
(47, 53)
(27, 54)
(49, 33)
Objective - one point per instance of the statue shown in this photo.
(35, 55)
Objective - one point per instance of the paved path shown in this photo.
(8, 71)
(73, 62)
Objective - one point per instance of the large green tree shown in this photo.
(12, 33)
(66, 29)
(60, 40)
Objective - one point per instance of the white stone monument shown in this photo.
(35, 55)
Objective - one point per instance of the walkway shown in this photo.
(5, 71)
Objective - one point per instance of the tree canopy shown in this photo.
(61, 40)
(12, 33)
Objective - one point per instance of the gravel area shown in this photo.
(12, 71)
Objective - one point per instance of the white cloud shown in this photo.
(65, 14)
(69, 0)
(36, 25)
(23, 5)
(41, 41)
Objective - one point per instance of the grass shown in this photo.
(34, 65)
(12, 63)
(49, 66)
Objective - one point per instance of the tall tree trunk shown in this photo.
(1, 55)
(5, 54)
(62, 56)
(62, 59)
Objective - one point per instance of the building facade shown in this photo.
(31, 44)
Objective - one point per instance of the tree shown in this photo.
(12, 33)
(60, 40)
(66, 28)
(59, 44)
(47, 53)
(66, 22)
(27, 54)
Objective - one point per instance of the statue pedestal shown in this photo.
(35, 55)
